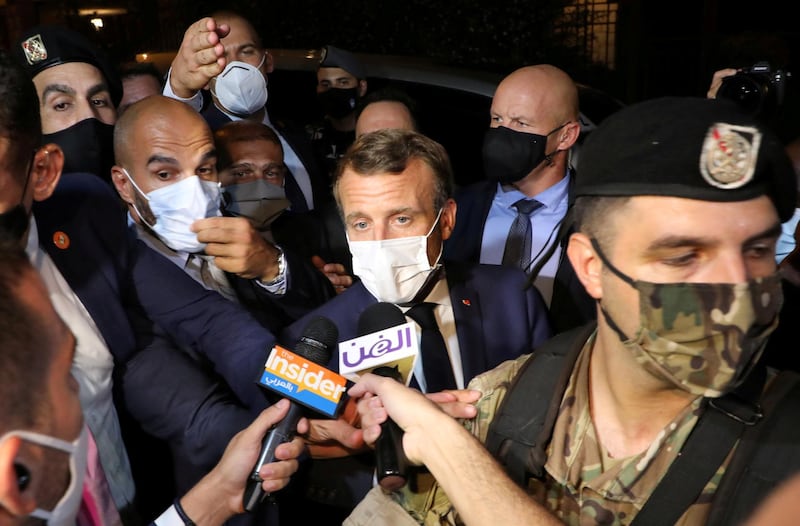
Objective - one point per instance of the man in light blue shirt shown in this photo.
(514, 216)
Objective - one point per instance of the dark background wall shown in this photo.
(662, 47)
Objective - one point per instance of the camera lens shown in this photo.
(745, 91)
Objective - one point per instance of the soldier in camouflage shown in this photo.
(677, 213)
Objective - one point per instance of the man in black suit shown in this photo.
(166, 172)
(252, 173)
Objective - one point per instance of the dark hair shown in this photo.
(19, 114)
(26, 349)
(241, 131)
(389, 94)
(389, 151)
(591, 214)
(140, 69)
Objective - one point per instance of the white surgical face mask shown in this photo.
(394, 270)
(177, 206)
(66, 510)
(241, 88)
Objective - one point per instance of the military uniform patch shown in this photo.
(34, 49)
(729, 155)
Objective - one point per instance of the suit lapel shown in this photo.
(89, 280)
(469, 322)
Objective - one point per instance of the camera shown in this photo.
(758, 89)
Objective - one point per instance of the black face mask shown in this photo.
(14, 223)
(88, 147)
(509, 156)
(338, 102)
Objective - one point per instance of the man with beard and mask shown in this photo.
(663, 411)
(112, 290)
(394, 189)
(341, 83)
(43, 439)
(515, 215)
(78, 90)
(224, 53)
(252, 175)
(166, 173)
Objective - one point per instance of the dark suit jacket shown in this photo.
(306, 288)
(497, 318)
(298, 140)
(126, 286)
(319, 232)
(570, 305)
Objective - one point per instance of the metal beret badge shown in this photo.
(729, 155)
(34, 49)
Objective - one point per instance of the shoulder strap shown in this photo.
(714, 436)
(521, 429)
(767, 454)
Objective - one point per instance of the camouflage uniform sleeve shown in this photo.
(422, 498)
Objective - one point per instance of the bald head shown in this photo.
(383, 115)
(542, 90)
(155, 115)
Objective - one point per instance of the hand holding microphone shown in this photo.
(391, 464)
(299, 377)
(386, 346)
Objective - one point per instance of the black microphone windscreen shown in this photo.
(380, 316)
(318, 340)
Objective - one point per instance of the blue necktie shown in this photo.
(518, 244)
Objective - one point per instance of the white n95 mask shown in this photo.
(66, 509)
(241, 88)
(394, 270)
(176, 206)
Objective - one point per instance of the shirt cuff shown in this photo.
(195, 101)
(278, 285)
(170, 517)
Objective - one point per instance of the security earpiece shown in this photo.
(23, 476)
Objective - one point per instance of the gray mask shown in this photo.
(259, 201)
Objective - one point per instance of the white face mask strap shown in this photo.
(41, 439)
(136, 208)
(436, 222)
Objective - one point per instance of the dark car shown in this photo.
(452, 104)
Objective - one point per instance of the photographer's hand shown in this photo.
(716, 81)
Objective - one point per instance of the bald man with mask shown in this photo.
(170, 183)
(513, 217)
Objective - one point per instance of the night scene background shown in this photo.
(630, 49)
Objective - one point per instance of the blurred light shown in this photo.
(97, 22)
(102, 11)
(141, 57)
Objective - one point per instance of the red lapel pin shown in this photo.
(61, 240)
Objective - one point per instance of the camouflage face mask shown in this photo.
(702, 337)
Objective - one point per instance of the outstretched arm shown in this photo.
(200, 58)
(462, 466)
(218, 495)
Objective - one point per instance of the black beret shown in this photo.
(333, 57)
(45, 46)
(690, 147)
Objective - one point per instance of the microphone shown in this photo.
(384, 338)
(300, 378)
(375, 351)
(391, 463)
